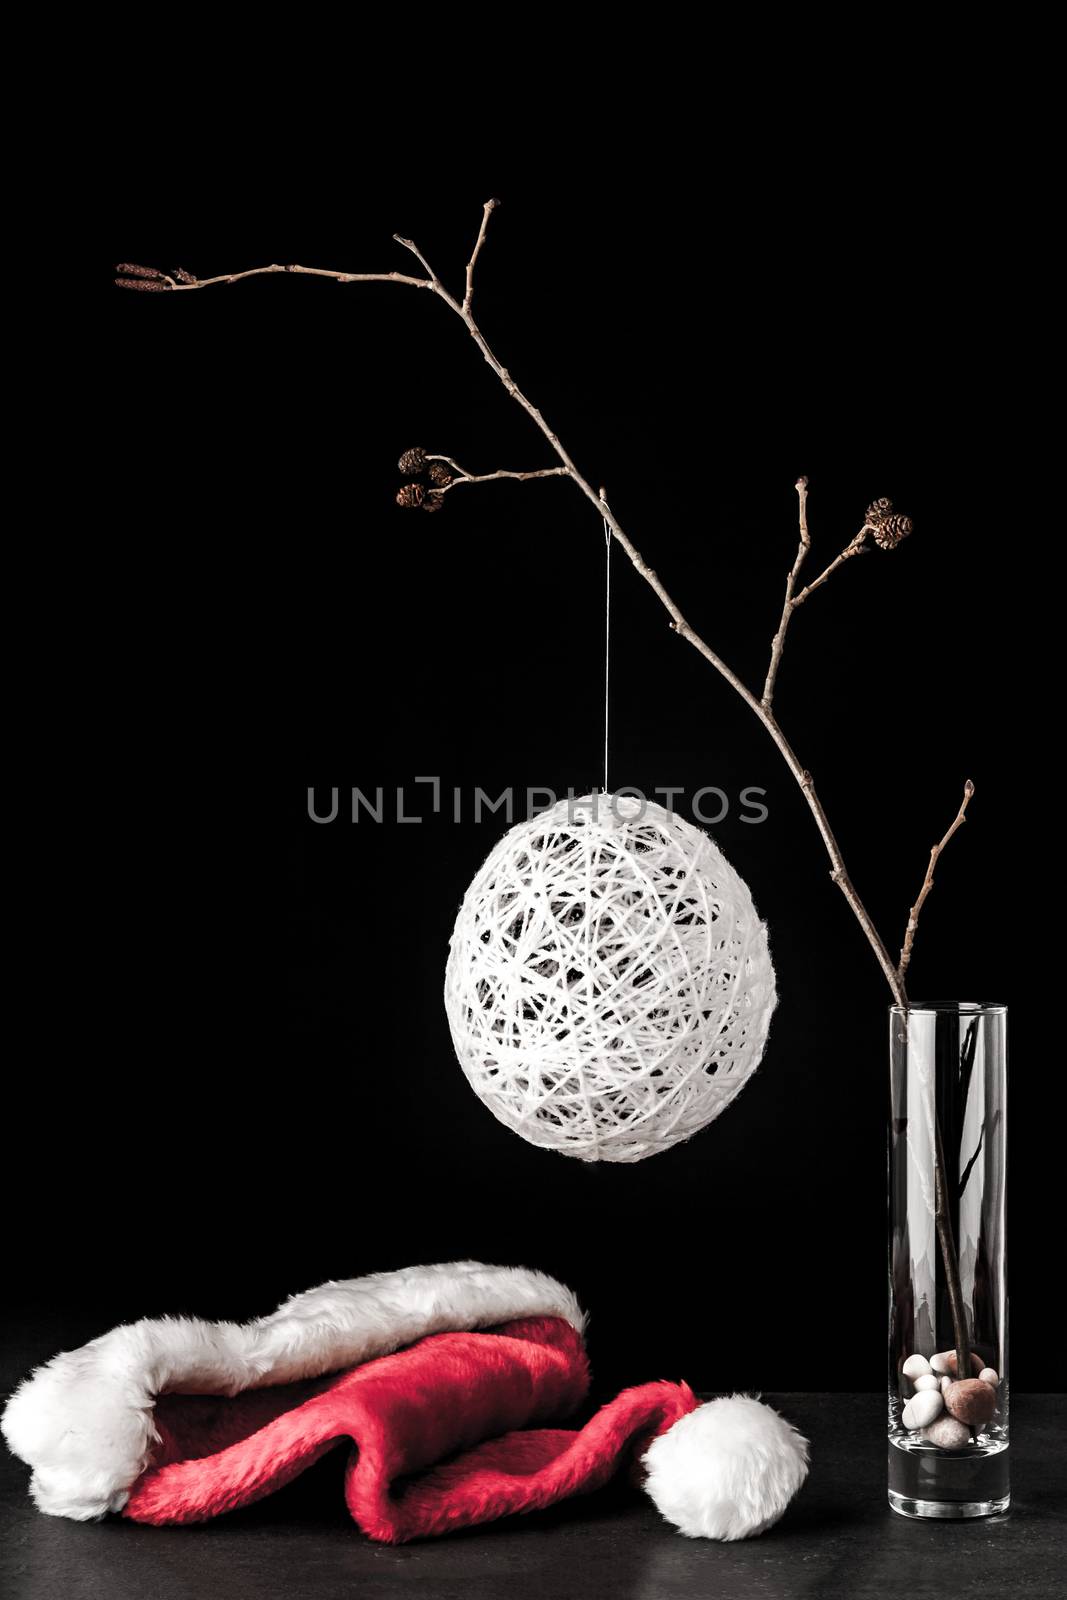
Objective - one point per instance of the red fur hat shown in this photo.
(446, 1379)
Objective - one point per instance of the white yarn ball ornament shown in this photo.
(609, 986)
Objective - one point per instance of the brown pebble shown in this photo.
(947, 1362)
(971, 1401)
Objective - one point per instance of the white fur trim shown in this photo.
(726, 1470)
(84, 1420)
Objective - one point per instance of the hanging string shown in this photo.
(607, 638)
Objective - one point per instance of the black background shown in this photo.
(242, 1072)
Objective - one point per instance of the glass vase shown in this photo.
(948, 1440)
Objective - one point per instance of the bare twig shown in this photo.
(968, 1052)
(409, 244)
(941, 1213)
(489, 477)
(950, 1260)
(307, 272)
(490, 205)
(778, 643)
(966, 1173)
(928, 882)
(463, 476)
(853, 548)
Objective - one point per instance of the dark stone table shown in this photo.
(839, 1538)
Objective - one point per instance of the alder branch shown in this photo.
(928, 882)
(838, 872)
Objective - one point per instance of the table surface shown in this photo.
(839, 1538)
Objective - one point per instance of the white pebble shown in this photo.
(916, 1367)
(989, 1375)
(947, 1433)
(945, 1382)
(922, 1408)
(940, 1362)
(929, 1380)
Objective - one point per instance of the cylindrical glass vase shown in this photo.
(948, 1440)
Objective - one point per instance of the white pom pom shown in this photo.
(726, 1470)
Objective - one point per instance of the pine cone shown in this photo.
(878, 510)
(440, 475)
(410, 495)
(888, 533)
(433, 500)
(412, 460)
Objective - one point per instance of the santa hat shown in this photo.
(444, 1377)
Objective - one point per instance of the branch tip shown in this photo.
(928, 881)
